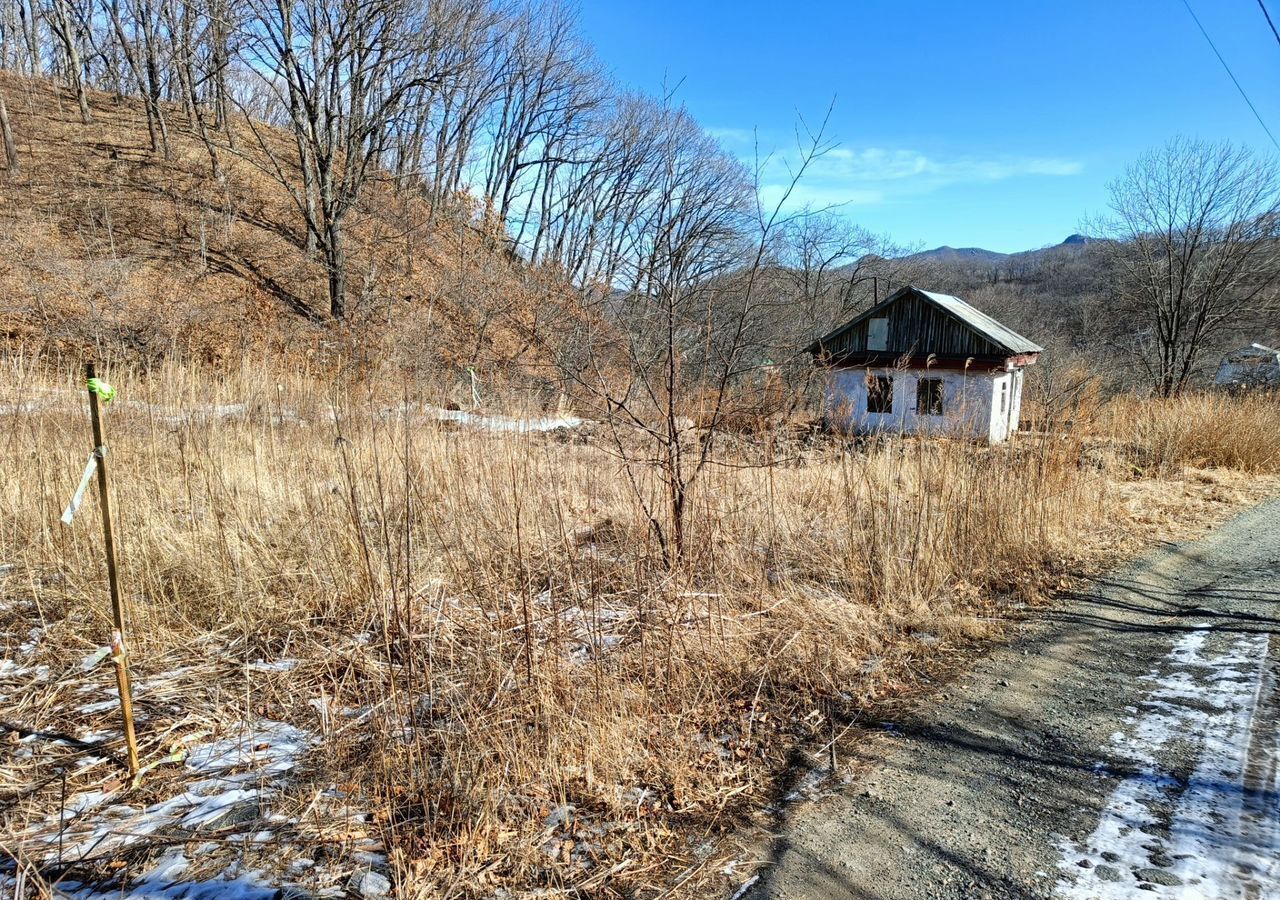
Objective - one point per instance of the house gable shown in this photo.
(915, 323)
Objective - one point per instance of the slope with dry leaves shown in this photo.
(107, 245)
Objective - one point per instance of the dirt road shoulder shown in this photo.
(1125, 741)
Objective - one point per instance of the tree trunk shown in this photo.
(187, 70)
(308, 196)
(220, 57)
(310, 243)
(152, 87)
(74, 69)
(32, 37)
(335, 258)
(8, 28)
(6, 138)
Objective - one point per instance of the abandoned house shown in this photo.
(1256, 367)
(924, 362)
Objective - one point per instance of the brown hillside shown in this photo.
(105, 245)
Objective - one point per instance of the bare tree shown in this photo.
(18, 36)
(1195, 240)
(436, 139)
(12, 38)
(190, 25)
(140, 51)
(67, 33)
(836, 267)
(343, 70)
(549, 86)
(675, 337)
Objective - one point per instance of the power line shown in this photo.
(1196, 19)
(1269, 22)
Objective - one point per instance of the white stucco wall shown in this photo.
(971, 403)
(1015, 415)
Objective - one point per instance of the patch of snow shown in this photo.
(371, 885)
(33, 641)
(808, 786)
(198, 412)
(270, 748)
(164, 882)
(1212, 834)
(229, 777)
(10, 669)
(502, 423)
(558, 816)
(100, 706)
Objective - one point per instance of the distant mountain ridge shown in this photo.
(946, 254)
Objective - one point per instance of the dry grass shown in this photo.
(1202, 430)
(497, 668)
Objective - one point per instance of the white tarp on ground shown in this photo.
(501, 423)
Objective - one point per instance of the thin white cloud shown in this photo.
(874, 175)
(817, 196)
(733, 138)
(874, 164)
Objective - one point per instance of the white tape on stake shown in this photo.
(90, 467)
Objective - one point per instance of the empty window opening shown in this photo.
(879, 394)
(1004, 395)
(929, 397)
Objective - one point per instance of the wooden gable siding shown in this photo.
(916, 326)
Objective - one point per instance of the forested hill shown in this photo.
(977, 256)
(106, 244)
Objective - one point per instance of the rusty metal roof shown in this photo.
(969, 316)
(984, 324)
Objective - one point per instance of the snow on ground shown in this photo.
(501, 423)
(216, 814)
(231, 778)
(1210, 832)
(199, 413)
(221, 812)
(167, 881)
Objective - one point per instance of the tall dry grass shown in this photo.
(1201, 429)
(495, 608)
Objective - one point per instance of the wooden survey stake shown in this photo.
(118, 654)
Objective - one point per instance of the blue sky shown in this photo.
(990, 124)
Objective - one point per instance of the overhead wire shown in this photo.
(1234, 80)
(1263, 6)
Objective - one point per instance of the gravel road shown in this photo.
(1125, 744)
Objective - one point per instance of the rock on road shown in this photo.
(1124, 745)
